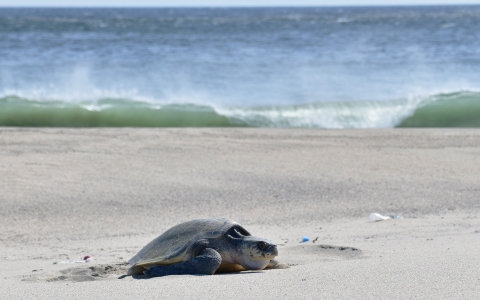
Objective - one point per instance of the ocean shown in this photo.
(312, 67)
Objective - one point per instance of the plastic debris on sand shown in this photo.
(375, 217)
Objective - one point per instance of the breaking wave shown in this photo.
(460, 109)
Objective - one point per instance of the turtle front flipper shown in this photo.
(274, 264)
(206, 263)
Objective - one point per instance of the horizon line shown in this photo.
(241, 6)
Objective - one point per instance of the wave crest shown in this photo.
(460, 109)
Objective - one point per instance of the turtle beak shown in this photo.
(267, 249)
(270, 250)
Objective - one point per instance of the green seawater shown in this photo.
(15, 111)
(461, 109)
(452, 110)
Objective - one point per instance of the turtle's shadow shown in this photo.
(143, 277)
(239, 273)
(138, 277)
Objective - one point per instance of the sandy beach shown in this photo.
(67, 193)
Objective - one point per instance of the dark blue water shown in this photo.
(275, 67)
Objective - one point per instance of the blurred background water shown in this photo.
(349, 67)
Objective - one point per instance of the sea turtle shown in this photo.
(203, 247)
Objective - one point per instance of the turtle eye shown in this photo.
(262, 245)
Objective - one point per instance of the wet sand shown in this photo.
(67, 193)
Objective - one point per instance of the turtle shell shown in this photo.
(174, 244)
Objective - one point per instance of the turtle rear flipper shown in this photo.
(204, 264)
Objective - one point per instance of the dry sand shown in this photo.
(66, 193)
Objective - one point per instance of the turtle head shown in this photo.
(252, 252)
(256, 253)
